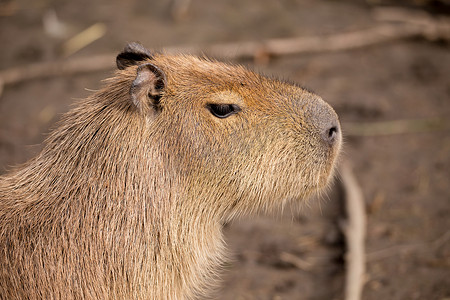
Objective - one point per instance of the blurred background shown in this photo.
(383, 65)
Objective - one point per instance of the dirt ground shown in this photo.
(298, 254)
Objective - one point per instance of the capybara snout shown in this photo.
(322, 116)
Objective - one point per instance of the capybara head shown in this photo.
(244, 141)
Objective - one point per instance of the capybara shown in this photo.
(128, 197)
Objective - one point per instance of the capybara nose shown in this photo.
(326, 123)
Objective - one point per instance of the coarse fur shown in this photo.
(127, 198)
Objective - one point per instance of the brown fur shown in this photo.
(127, 203)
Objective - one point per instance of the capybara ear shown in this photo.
(133, 54)
(148, 87)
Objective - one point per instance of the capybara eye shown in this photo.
(223, 110)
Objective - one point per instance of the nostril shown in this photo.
(332, 132)
(326, 123)
(331, 135)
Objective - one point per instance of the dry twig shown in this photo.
(432, 27)
(296, 261)
(337, 42)
(396, 127)
(382, 33)
(56, 68)
(354, 231)
(84, 38)
(409, 248)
